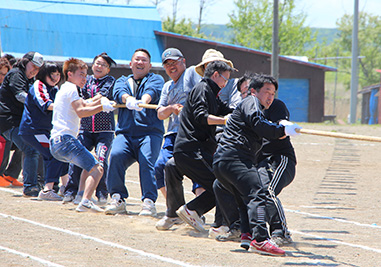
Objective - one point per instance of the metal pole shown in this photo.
(354, 77)
(334, 91)
(275, 45)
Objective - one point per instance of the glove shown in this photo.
(132, 103)
(106, 105)
(289, 128)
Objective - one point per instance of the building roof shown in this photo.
(245, 49)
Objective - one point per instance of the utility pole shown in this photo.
(275, 45)
(354, 76)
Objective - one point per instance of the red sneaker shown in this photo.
(246, 240)
(4, 182)
(266, 247)
(13, 181)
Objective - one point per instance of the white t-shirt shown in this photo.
(65, 119)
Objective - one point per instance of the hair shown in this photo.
(218, 66)
(144, 51)
(107, 58)
(259, 80)
(12, 60)
(72, 65)
(21, 63)
(246, 77)
(46, 71)
(5, 63)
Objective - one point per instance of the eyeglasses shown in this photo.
(101, 65)
(168, 64)
(226, 79)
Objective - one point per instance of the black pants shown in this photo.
(243, 181)
(197, 167)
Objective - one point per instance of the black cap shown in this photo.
(171, 53)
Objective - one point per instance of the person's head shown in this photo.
(30, 63)
(102, 64)
(12, 60)
(75, 71)
(264, 88)
(140, 63)
(211, 55)
(243, 85)
(4, 68)
(173, 62)
(49, 74)
(219, 72)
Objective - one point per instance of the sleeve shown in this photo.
(277, 111)
(200, 105)
(191, 78)
(42, 97)
(163, 102)
(223, 108)
(73, 94)
(121, 87)
(107, 87)
(153, 87)
(19, 86)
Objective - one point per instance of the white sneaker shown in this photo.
(77, 199)
(148, 208)
(67, 198)
(191, 217)
(214, 232)
(102, 199)
(167, 222)
(117, 205)
(231, 235)
(88, 205)
(61, 191)
(49, 195)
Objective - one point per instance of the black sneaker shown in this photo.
(31, 191)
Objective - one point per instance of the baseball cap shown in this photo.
(35, 57)
(171, 53)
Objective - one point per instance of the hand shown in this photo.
(132, 103)
(106, 105)
(290, 130)
(285, 122)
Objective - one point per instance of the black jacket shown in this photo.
(244, 132)
(194, 131)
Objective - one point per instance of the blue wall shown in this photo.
(295, 93)
(78, 29)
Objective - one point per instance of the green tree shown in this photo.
(251, 23)
(183, 27)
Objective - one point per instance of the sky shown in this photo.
(320, 13)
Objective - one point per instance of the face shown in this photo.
(78, 77)
(266, 95)
(3, 71)
(31, 70)
(221, 79)
(140, 65)
(174, 68)
(53, 79)
(245, 89)
(100, 68)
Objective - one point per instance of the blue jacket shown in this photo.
(102, 121)
(139, 123)
(36, 118)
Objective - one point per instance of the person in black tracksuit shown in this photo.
(195, 144)
(236, 157)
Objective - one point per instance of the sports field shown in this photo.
(332, 208)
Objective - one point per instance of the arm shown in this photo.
(165, 112)
(18, 84)
(215, 120)
(84, 109)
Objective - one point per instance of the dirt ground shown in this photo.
(332, 208)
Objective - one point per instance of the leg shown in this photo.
(175, 191)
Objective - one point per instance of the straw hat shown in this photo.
(209, 56)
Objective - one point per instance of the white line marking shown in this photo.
(334, 219)
(339, 242)
(45, 262)
(137, 251)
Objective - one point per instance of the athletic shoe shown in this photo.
(216, 231)
(88, 205)
(77, 199)
(49, 195)
(167, 222)
(191, 217)
(102, 199)
(266, 247)
(281, 240)
(31, 191)
(246, 239)
(148, 208)
(13, 181)
(4, 182)
(116, 206)
(231, 235)
(68, 197)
